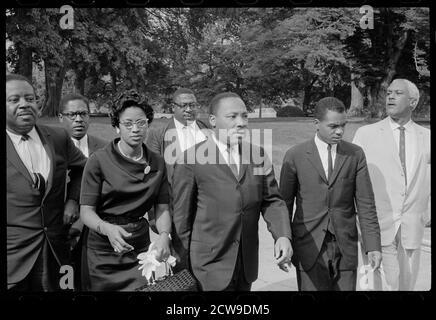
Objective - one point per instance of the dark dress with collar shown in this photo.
(122, 193)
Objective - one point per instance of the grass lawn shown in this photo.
(285, 134)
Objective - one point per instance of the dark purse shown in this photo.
(181, 281)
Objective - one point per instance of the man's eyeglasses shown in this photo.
(73, 115)
(192, 105)
(140, 124)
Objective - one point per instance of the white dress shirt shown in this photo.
(324, 155)
(410, 143)
(227, 152)
(188, 135)
(82, 144)
(32, 153)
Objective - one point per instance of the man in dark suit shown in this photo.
(74, 115)
(38, 158)
(218, 197)
(329, 180)
(175, 136)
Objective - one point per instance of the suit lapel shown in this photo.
(15, 160)
(341, 156)
(391, 146)
(312, 155)
(420, 140)
(44, 135)
(92, 145)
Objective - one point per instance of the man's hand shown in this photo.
(71, 211)
(283, 253)
(375, 258)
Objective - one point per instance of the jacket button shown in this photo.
(45, 228)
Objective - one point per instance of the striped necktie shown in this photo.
(38, 179)
(403, 150)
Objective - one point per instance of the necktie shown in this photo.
(189, 138)
(403, 151)
(38, 179)
(330, 161)
(232, 162)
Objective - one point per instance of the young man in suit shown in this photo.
(38, 158)
(174, 137)
(74, 115)
(218, 198)
(398, 155)
(329, 180)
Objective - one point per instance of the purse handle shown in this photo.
(168, 272)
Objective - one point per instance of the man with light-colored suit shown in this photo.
(328, 178)
(37, 160)
(398, 155)
(220, 188)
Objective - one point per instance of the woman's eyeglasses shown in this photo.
(140, 124)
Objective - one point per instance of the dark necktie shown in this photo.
(39, 181)
(232, 164)
(403, 151)
(330, 162)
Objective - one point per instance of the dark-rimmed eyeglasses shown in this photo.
(140, 124)
(73, 115)
(192, 105)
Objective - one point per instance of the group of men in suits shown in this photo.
(382, 179)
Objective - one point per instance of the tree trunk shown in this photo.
(380, 90)
(356, 105)
(54, 79)
(24, 61)
(80, 82)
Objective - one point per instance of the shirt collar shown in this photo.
(323, 145)
(223, 147)
(408, 126)
(84, 138)
(16, 138)
(180, 125)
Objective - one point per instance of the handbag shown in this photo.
(180, 281)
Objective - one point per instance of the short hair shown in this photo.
(328, 103)
(213, 105)
(71, 97)
(127, 99)
(19, 77)
(180, 91)
(411, 88)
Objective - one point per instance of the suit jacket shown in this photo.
(394, 201)
(216, 214)
(95, 143)
(32, 218)
(156, 142)
(303, 179)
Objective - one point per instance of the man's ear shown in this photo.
(61, 117)
(413, 103)
(212, 120)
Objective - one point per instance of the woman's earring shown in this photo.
(117, 130)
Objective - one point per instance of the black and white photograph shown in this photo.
(237, 149)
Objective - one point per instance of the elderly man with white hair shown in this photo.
(398, 156)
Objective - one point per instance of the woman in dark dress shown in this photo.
(121, 182)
